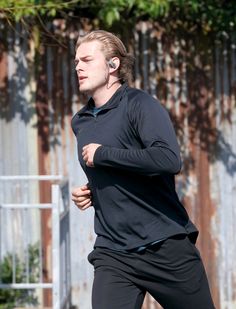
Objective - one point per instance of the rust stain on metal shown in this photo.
(43, 155)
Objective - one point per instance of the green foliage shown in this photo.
(153, 8)
(209, 15)
(206, 15)
(9, 298)
(111, 11)
(17, 9)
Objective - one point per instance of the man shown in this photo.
(129, 152)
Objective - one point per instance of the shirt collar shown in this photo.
(111, 103)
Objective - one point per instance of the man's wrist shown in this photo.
(98, 155)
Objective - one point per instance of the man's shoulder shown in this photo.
(136, 93)
(75, 118)
(139, 97)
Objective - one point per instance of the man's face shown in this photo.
(91, 67)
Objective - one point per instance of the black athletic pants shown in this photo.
(171, 271)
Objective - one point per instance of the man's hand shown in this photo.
(88, 153)
(82, 198)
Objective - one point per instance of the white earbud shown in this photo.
(111, 64)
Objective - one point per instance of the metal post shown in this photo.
(56, 246)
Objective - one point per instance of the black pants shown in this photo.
(171, 271)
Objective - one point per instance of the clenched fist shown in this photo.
(88, 153)
(82, 198)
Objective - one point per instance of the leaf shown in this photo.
(109, 18)
(18, 14)
(52, 12)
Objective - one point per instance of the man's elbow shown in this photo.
(176, 166)
(173, 164)
(166, 162)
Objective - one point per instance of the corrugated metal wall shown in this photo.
(195, 77)
(18, 133)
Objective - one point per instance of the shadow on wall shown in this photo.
(16, 68)
(37, 79)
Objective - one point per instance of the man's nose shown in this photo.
(77, 67)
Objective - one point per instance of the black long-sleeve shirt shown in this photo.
(132, 181)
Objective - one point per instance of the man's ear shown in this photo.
(114, 63)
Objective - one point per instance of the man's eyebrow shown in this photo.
(84, 57)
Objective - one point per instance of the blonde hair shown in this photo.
(112, 46)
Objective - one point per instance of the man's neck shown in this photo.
(102, 96)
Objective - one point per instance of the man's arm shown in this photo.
(160, 152)
(150, 161)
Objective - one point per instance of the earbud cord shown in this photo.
(108, 77)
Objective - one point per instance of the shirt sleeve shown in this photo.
(160, 150)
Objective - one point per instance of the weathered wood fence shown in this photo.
(194, 76)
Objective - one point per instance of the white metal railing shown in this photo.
(60, 284)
